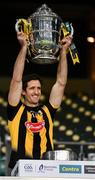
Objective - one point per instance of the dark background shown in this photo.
(82, 15)
(79, 13)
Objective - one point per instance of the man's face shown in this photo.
(32, 93)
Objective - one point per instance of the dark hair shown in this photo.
(28, 78)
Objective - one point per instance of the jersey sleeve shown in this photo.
(52, 110)
(12, 110)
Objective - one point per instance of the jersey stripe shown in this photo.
(14, 128)
(29, 139)
(50, 124)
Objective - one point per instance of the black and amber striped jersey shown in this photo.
(31, 131)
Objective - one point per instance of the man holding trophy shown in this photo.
(31, 123)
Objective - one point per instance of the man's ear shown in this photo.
(23, 93)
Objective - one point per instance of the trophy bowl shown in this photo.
(46, 32)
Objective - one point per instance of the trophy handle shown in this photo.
(67, 28)
(20, 25)
(25, 25)
(72, 30)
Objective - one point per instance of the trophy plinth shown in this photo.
(44, 58)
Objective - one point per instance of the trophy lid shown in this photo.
(44, 10)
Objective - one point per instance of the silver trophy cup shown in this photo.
(44, 29)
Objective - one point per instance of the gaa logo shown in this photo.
(28, 167)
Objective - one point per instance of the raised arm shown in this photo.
(57, 91)
(15, 89)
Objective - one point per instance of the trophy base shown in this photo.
(44, 59)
